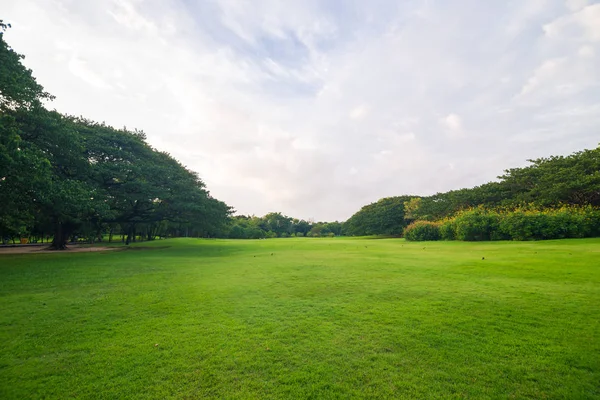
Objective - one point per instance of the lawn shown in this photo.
(303, 318)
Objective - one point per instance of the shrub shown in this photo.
(476, 224)
(525, 223)
(420, 231)
(447, 230)
(564, 222)
(256, 233)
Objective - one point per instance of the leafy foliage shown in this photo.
(523, 223)
(466, 214)
(384, 217)
(420, 231)
(70, 176)
(275, 224)
(547, 182)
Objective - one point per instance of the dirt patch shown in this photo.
(44, 249)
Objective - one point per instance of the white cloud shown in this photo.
(453, 124)
(81, 69)
(544, 73)
(582, 25)
(127, 15)
(316, 108)
(359, 112)
(586, 51)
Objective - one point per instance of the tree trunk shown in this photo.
(59, 242)
(130, 234)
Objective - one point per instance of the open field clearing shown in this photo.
(303, 318)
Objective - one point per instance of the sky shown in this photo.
(316, 108)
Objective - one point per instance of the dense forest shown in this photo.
(63, 176)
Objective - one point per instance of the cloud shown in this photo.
(317, 108)
(81, 69)
(582, 25)
(359, 112)
(586, 51)
(453, 123)
(542, 74)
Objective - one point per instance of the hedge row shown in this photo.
(480, 224)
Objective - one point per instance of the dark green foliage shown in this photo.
(66, 176)
(278, 225)
(420, 231)
(447, 230)
(565, 222)
(480, 224)
(547, 182)
(574, 179)
(476, 225)
(384, 217)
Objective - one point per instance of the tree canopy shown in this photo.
(549, 182)
(62, 175)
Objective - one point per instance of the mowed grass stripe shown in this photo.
(304, 318)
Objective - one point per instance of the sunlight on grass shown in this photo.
(304, 318)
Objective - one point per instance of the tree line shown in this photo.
(569, 183)
(62, 175)
(275, 224)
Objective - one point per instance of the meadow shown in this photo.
(303, 318)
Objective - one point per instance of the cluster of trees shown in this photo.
(384, 217)
(62, 176)
(275, 224)
(546, 184)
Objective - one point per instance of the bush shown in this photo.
(565, 222)
(420, 231)
(255, 233)
(476, 224)
(524, 223)
(447, 230)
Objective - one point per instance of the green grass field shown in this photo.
(304, 318)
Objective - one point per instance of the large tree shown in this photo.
(71, 175)
(384, 217)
